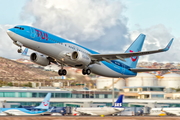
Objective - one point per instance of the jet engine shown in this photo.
(81, 58)
(39, 59)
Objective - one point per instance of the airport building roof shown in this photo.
(145, 87)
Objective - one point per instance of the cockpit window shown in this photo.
(19, 28)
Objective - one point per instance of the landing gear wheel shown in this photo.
(19, 50)
(86, 71)
(62, 72)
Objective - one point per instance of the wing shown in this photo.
(8, 113)
(119, 109)
(122, 56)
(172, 112)
(52, 60)
(145, 69)
(88, 113)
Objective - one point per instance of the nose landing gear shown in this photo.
(19, 45)
(19, 50)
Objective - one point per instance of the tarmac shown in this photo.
(87, 118)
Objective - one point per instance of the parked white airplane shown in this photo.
(57, 50)
(43, 108)
(165, 111)
(101, 110)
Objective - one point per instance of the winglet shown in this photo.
(169, 45)
(24, 53)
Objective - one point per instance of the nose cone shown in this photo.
(10, 33)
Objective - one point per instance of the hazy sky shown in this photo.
(108, 26)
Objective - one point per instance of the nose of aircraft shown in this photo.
(10, 33)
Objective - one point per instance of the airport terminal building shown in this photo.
(59, 98)
(134, 96)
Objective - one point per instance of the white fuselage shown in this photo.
(22, 111)
(165, 111)
(98, 110)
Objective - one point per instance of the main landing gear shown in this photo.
(62, 71)
(86, 71)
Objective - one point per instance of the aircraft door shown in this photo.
(33, 34)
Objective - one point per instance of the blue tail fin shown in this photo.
(119, 101)
(136, 46)
(45, 103)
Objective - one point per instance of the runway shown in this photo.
(86, 118)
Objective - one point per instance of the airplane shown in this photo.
(43, 108)
(54, 49)
(165, 111)
(101, 110)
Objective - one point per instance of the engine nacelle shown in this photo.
(39, 59)
(81, 58)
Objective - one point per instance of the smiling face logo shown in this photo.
(45, 103)
(133, 58)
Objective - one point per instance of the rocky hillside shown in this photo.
(12, 70)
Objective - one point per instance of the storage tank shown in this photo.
(171, 80)
(142, 79)
(57, 84)
(105, 82)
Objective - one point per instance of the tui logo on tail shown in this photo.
(133, 58)
(46, 103)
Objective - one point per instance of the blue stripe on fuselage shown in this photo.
(117, 65)
(119, 69)
(24, 110)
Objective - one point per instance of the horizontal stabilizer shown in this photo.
(146, 69)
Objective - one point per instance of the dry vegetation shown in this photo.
(12, 71)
